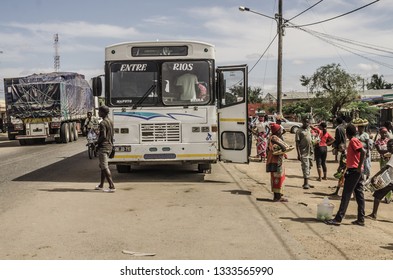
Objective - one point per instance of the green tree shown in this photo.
(254, 95)
(377, 82)
(334, 84)
(297, 108)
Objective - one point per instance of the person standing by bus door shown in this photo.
(104, 145)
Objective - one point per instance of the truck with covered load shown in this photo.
(45, 107)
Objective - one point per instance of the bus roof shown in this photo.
(163, 43)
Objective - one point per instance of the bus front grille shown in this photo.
(160, 132)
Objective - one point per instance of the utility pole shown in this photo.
(56, 58)
(280, 31)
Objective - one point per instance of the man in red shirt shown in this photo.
(353, 179)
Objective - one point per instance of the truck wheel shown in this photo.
(71, 128)
(76, 136)
(65, 133)
(123, 168)
(22, 142)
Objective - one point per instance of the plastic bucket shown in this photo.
(325, 211)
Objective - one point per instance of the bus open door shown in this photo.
(232, 88)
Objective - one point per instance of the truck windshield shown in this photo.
(130, 81)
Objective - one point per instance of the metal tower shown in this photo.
(56, 56)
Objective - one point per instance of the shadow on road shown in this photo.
(242, 192)
(80, 169)
(301, 219)
(388, 247)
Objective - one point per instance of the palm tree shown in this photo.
(377, 82)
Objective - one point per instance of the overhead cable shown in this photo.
(304, 11)
(346, 49)
(263, 53)
(336, 16)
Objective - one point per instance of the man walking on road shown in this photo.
(104, 144)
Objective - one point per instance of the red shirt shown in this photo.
(353, 153)
(323, 137)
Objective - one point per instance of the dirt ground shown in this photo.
(298, 215)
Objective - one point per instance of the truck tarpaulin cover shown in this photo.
(61, 94)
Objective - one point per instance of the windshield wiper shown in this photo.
(142, 99)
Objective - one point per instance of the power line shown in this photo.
(263, 53)
(322, 21)
(304, 11)
(348, 49)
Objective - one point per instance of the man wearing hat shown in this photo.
(304, 149)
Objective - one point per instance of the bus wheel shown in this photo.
(204, 167)
(123, 168)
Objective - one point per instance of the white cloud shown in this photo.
(368, 67)
(298, 62)
(77, 29)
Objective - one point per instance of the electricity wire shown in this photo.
(347, 13)
(304, 11)
(328, 40)
(259, 59)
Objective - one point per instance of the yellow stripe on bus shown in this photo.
(128, 156)
(232, 120)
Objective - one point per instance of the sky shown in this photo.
(85, 28)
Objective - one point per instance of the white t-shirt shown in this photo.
(390, 169)
(188, 82)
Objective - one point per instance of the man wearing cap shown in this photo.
(304, 149)
(104, 144)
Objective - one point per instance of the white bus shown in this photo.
(170, 104)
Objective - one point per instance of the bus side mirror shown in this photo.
(97, 86)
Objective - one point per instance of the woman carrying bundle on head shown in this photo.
(275, 158)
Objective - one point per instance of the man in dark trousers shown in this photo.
(339, 136)
(104, 145)
(353, 179)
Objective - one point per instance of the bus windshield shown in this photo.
(182, 83)
(129, 82)
(186, 82)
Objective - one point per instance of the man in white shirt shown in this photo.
(188, 82)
